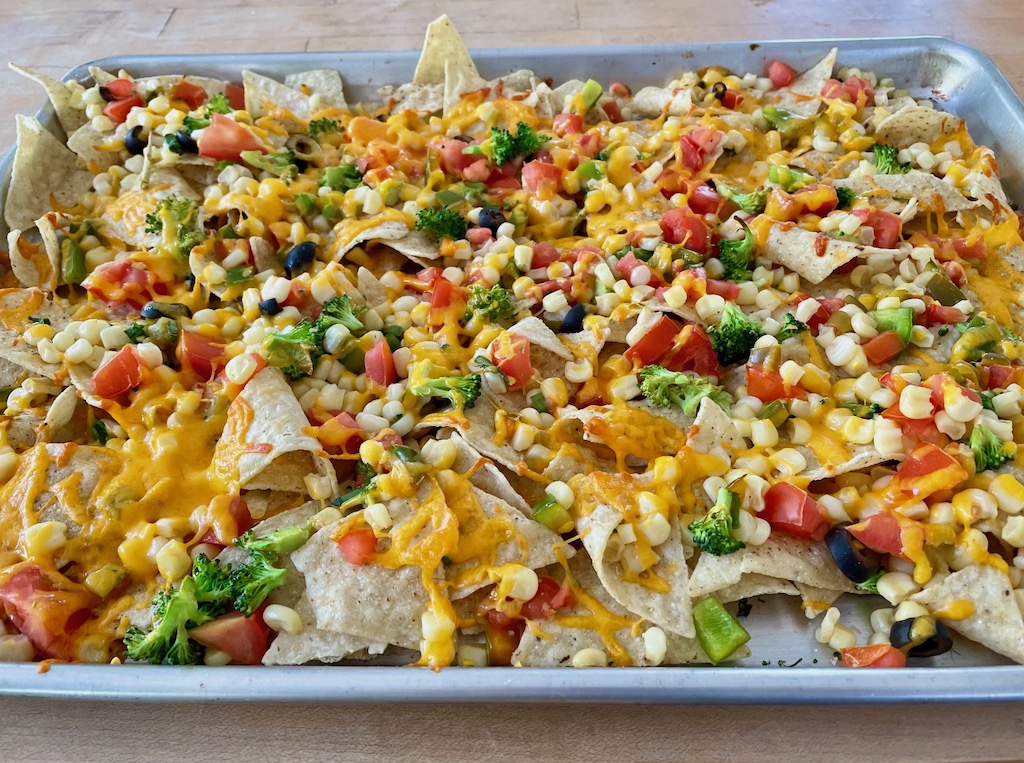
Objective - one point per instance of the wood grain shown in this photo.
(56, 35)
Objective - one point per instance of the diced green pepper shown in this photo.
(305, 203)
(72, 261)
(786, 122)
(719, 633)
(553, 515)
(788, 179)
(943, 290)
(592, 170)
(841, 322)
(538, 401)
(354, 361)
(898, 319)
(776, 412)
(587, 97)
(446, 198)
(978, 333)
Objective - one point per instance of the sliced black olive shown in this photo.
(270, 307)
(852, 558)
(300, 258)
(573, 320)
(464, 138)
(921, 637)
(156, 310)
(105, 93)
(134, 141)
(187, 142)
(491, 218)
(719, 89)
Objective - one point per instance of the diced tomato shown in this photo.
(628, 263)
(942, 381)
(358, 546)
(544, 254)
(887, 226)
(452, 159)
(873, 656)
(698, 144)
(124, 280)
(727, 289)
(881, 532)
(511, 354)
(380, 365)
(856, 90)
(612, 111)
(940, 314)
(767, 385)
(226, 139)
(45, 607)
(567, 124)
(682, 226)
(705, 200)
(193, 95)
(242, 638)
(919, 430)
(792, 510)
(502, 641)
(1001, 377)
(654, 343)
(542, 605)
(955, 271)
(428, 276)
(813, 200)
(121, 373)
(477, 237)
(445, 294)
(200, 353)
(828, 306)
(948, 249)
(477, 172)
(119, 89)
(780, 74)
(235, 95)
(732, 99)
(118, 110)
(975, 250)
(539, 176)
(692, 351)
(883, 348)
(926, 471)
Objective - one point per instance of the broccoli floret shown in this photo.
(846, 196)
(871, 584)
(713, 534)
(294, 351)
(191, 124)
(786, 122)
(460, 391)
(213, 584)
(343, 177)
(168, 641)
(218, 104)
(736, 256)
(282, 541)
(253, 581)
(279, 163)
(672, 389)
(887, 161)
(989, 451)
(752, 203)
(505, 146)
(336, 310)
(321, 126)
(790, 328)
(178, 217)
(734, 336)
(494, 304)
(443, 223)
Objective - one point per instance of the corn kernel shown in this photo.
(44, 538)
(173, 561)
(591, 657)
(282, 619)
(655, 645)
(514, 581)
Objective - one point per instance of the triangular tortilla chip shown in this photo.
(323, 86)
(915, 124)
(802, 96)
(933, 193)
(442, 48)
(61, 95)
(798, 250)
(312, 644)
(389, 225)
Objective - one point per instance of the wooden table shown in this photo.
(55, 35)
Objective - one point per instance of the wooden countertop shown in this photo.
(53, 36)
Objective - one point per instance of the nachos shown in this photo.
(505, 371)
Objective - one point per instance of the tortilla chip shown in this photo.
(797, 249)
(458, 81)
(30, 262)
(996, 623)
(652, 102)
(13, 347)
(275, 454)
(61, 95)
(753, 585)
(322, 86)
(42, 166)
(443, 50)
(371, 288)
(476, 425)
(389, 225)
(860, 457)
(816, 600)
(101, 76)
(671, 610)
(87, 142)
(933, 193)
(125, 218)
(486, 475)
(714, 427)
(916, 124)
(263, 93)
(802, 96)
(781, 556)
(312, 644)
(416, 245)
(410, 96)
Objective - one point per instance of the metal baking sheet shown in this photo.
(787, 665)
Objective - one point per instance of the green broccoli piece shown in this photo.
(846, 196)
(505, 147)
(191, 124)
(752, 203)
(280, 163)
(294, 351)
(326, 125)
(788, 124)
(494, 304)
(168, 641)
(282, 541)
(989, 451)
(871, 584)
(443, 223)
(790, 328)
(734, 336)
(887, 161)
(213, 584)
(736, 256)
(181, 213)
(713, 534)
(460, 391)
(672, 389)
(337, 310)
(253, 581)
(343, 177)
(218, 104)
